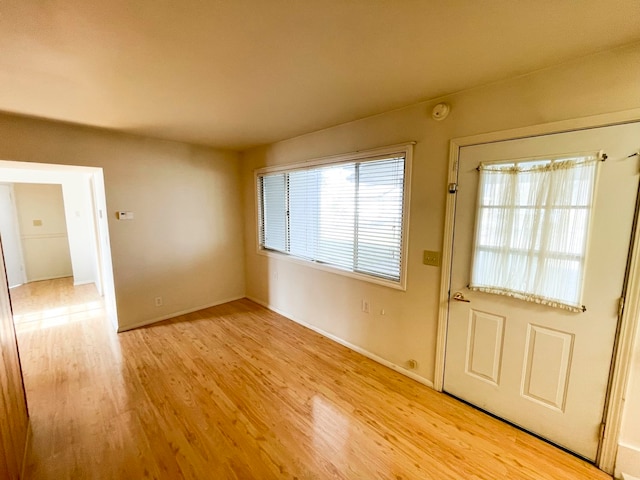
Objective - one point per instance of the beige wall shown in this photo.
(185, 243)
(45, 246)
(598, 84)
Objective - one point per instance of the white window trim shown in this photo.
(405, 149)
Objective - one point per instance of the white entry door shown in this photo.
(542, 367)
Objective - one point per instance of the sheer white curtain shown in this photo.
(532, 228)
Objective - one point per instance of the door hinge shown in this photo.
(453, 187)
(601, 432)
(620, 307)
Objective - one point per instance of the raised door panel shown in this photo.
(484, 346)
(547, 366)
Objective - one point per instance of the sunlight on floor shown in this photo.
(58, 316)
(50, 303)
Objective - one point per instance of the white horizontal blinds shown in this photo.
(348, 215)
(273, 227)
(379, 217)
(336, 216)
(304, 208)
(532, 228)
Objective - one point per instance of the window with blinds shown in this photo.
(345, 214)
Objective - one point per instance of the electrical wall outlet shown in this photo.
(430, 257)
(121, 215)
(365, 306)
(158, 301)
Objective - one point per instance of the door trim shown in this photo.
(623, 346)
(16, 223)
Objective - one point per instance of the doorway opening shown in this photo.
(54, 228)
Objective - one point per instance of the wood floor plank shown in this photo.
(240, 392)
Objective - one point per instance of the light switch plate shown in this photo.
(430, 257)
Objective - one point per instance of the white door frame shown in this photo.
(48, 173)
(624, 342)
(16, 223)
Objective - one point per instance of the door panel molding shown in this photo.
(623, 347)
(484, 354)
(541, 350)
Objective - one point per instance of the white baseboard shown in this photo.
(144, 323)
(351, 346)
(628, 462)
(40, 279)
(82, 282)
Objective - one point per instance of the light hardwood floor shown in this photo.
(239, 392)
(48, 300)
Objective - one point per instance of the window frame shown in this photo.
(406, 150)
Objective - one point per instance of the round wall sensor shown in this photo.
(440, 111)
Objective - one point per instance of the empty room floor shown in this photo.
(240, 392)
(48, 302)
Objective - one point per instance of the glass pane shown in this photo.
(336, 218)
(274, 212)
(379, 217)
(570, 233)
(304, 205)
(496, 189)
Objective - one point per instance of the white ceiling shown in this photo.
(238, 73)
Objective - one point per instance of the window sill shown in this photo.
(331, 269)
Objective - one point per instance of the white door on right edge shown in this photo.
(538, 366)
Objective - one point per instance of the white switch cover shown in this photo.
(125, 215)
